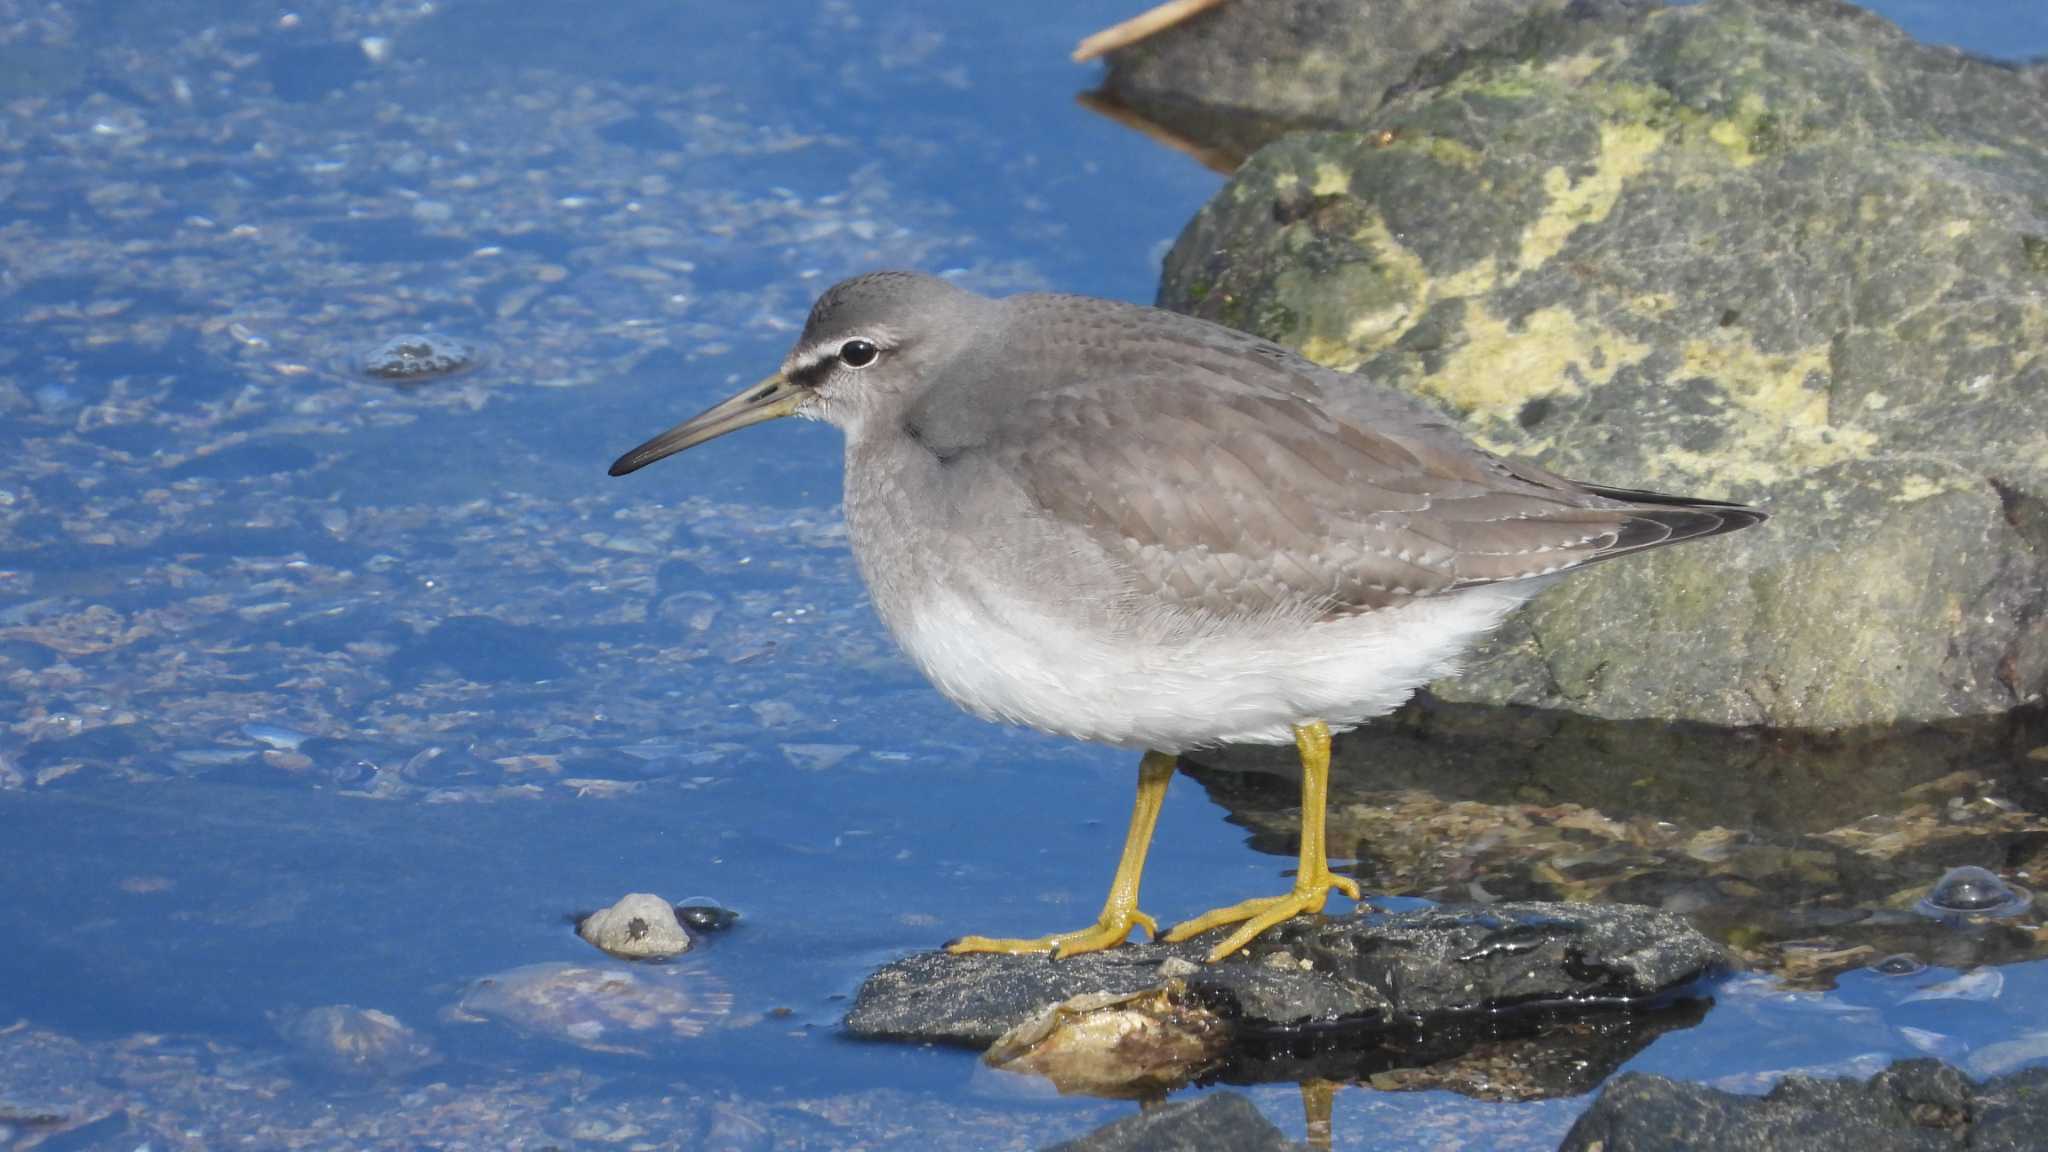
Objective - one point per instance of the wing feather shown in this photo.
(1224, 485)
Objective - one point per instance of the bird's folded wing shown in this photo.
(1229, 501)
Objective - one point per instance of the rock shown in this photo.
(1368, 967)
(604, 1008)
(706, 917)
(1245, 73)
(639, 927)
(418, 357)
(1772, 251)
(1919, 1104)
(1223, 1120)
(1140, 1046)
(358, 1042)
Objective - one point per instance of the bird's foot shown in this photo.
(1260, 914)
(1107, 932)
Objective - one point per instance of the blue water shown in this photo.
(258, 755)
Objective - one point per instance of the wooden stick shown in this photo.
(1146, 23)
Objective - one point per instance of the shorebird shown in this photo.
(1130, 526)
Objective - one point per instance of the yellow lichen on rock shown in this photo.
(1373, 330)
(1350, 316)
(1576, 69)
(1778, 425)
(1442, 149)
(1501, 367)
(1915, 487)
(1625, 149)
(1737, 134)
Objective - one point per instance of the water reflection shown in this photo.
(1807, 854)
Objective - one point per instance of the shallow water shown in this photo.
(323, 689)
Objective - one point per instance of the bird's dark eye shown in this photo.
(858, 353)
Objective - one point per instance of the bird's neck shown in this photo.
(895, 507)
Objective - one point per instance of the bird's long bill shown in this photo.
(767, 400)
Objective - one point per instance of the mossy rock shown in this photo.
(1774, 252)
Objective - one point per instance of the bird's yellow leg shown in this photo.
(1120, 912)
(1312, 879)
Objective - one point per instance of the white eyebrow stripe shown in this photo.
(805, 359)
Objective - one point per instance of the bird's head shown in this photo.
(872, 345)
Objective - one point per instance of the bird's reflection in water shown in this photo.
(1318, 1101)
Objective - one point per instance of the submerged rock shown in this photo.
(1913, 1106)
(639, 927)
(602, 1007)
(1775, 252)
(357, 1042)
(1432, 984)
(1219, 1121)
(418, 357)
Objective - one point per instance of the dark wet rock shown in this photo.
(1243, 74)
(602, 1007)
(419, 357)
(1223, 1120)
(640, 926)
(1899, 964)
(1368, 966)
(345, 1040)
(1777, 252)
(706, 917)
(1970, 891)
(1920, 1104)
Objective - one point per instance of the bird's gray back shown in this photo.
(1210, 473)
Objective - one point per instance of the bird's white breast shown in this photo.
(1251, 684)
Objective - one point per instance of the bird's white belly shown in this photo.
(1251, 684)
